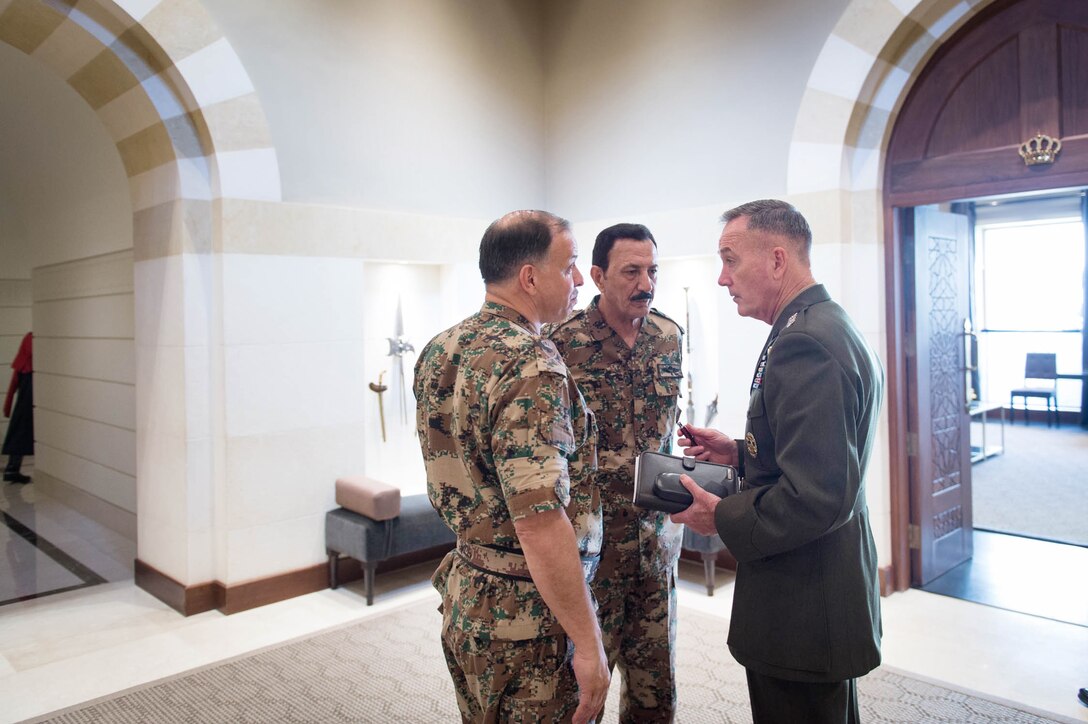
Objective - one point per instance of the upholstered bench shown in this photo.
(374, 523)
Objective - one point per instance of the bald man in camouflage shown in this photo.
(626, 358)
(509, 447)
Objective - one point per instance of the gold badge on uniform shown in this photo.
(750, 443)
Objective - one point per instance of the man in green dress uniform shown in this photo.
(806, 605)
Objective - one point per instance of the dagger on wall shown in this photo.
(380, 388)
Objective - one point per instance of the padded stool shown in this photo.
(379, 525)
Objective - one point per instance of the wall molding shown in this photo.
(214, 595)
(186, 600)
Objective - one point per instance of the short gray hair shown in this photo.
(518, 238)
(775, 217)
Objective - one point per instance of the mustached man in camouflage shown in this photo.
(510, 448)
(625, 356)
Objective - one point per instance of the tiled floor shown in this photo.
(49, 547)
(1042, 578)
(34, 566)
(63, 649)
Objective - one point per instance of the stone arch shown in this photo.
(171, 92)
(190, 131)
(857, 86)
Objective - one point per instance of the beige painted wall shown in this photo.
(416, 105)
(656, 106)
(64, 193)
(590, 109)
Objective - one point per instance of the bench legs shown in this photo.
(709, 559)
(369, 569)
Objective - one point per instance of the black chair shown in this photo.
(1039, 366)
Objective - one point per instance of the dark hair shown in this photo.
(516, 239)
(602, 247)
(775, 217)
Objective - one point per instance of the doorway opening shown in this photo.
(1008, 78)
(1026, 296)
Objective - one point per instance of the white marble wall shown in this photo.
(176, 403)
(84, 377)
(294, 404)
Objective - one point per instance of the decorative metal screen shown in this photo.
(945, 335)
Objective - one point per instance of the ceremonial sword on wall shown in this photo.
(380, 388)
(398, 347)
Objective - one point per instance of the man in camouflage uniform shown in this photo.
(626, 359)
(509, 448)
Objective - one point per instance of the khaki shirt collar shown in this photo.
(600, 330)
(494, 309)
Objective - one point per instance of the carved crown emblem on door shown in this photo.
(1039, 150)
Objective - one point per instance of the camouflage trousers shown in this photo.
(511, 681)
(636, 598)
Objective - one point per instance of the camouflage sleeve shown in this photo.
(531, 440)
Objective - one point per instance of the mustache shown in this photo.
(642, 296)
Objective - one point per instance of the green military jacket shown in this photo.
(505, 434)
(633, 393)
(806, 605)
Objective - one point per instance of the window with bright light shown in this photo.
(1031, 275)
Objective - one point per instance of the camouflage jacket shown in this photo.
(633, 392)
(505, 433)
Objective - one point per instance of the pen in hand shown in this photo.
(687, 433)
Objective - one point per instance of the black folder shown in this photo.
(658, 486)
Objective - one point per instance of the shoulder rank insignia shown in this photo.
(657, 312)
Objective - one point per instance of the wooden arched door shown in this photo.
(1017, 69)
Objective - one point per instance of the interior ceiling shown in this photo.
(44, 124)
(29, 118)
(13, 137)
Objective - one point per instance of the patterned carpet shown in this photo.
(1036, 487)
(389, 668)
